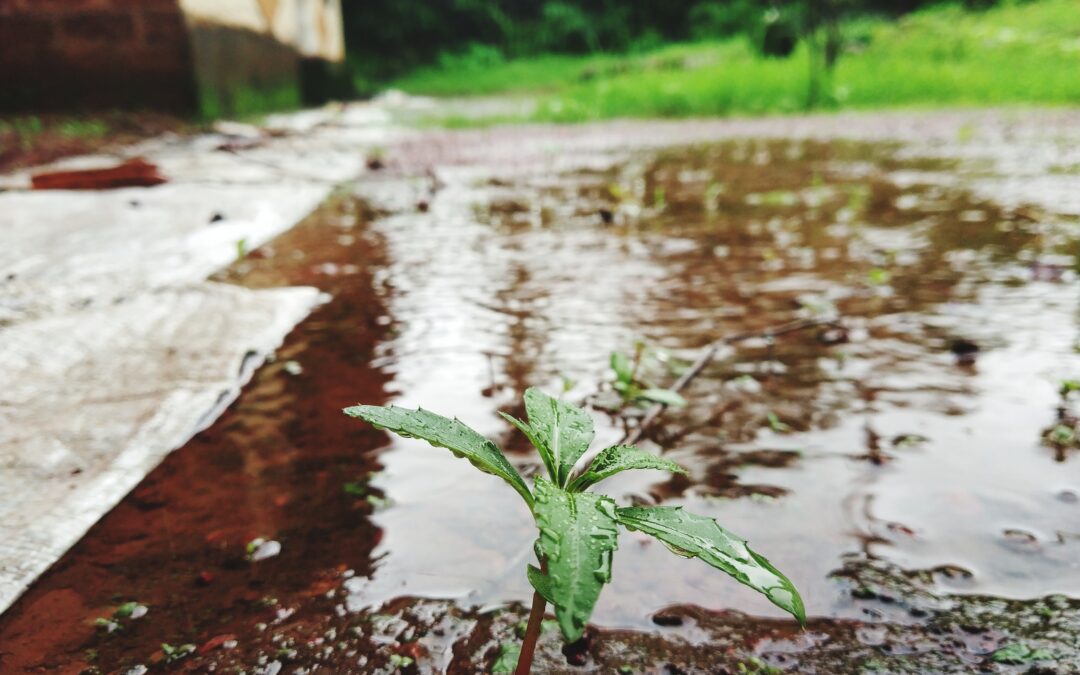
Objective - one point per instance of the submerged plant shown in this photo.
(578, 529)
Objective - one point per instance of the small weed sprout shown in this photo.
(125, 612)
(632, 387)
(176, 653)
(660, 199)
(1064, 434)
(778, 425)
(878, 276)
(241, 249)
(712, 197)
(578, 529)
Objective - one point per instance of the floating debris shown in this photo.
(135, 172)
(261, 549)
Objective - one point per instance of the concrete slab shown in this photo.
(93, 400)
(114, 350)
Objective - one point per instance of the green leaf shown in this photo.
(564, 430)
(173, 654)
(696, 536)
(567, 383)
(578, 536)
(878, 277)
(619, 458)
(1019, 653)
(400, 661)
(777, 424)
(444, 433)
(624, 371)
(545, 454)
(355, 489)
(540, 583)
(665, 396)
(509, 653)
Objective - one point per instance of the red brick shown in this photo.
(18, 59)
(61, 6)
(24, 29)
(99, 26)
(145, 4)
(163, 29)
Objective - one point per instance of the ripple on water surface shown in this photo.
(918, 453)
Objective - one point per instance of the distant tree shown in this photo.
(711, 19)
(779, 32)
(387, 37)
(825, 42)
(496, 13)
(818, 23)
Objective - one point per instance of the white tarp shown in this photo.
(114, 350)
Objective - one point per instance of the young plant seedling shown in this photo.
(578, 529)
(632, 387)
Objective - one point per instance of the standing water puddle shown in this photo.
(911, 472)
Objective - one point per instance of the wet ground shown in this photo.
(914, 472)
(32, 140)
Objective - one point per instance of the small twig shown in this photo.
(708, 355)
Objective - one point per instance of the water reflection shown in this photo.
(905, 456)
(896, 447)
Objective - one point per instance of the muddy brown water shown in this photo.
(899, 470)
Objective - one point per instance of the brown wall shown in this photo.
(72, 54)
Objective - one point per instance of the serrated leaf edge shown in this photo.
(530, 433)
(507, 473)
(798, 608)
(591, 477)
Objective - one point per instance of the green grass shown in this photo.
(550, 72)
(26, 128)
(1018, 53)
(247, 103)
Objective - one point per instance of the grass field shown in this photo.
(1026, 52)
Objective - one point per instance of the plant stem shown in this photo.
(532, 634)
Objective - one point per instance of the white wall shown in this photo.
(312, 27)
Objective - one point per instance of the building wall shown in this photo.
(312, 27)
(217, 57)
(240, 71)
(252, 55)
(69, 54)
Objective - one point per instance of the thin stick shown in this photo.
(708, 355)
(532, 633)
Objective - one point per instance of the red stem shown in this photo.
(532, 634)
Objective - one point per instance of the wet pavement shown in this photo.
(914, 473)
